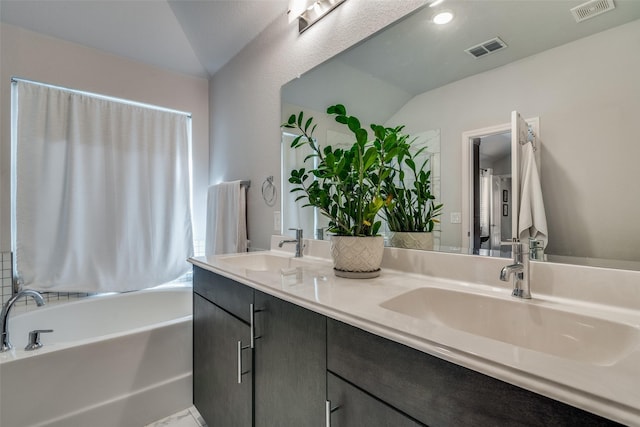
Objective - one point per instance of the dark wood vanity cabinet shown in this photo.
(284, 380)
(436, 392)
(217, 394)
(303, 361)
(221, 317)
(351, 406)
(290, 364)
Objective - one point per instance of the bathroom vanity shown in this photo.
(331, 351)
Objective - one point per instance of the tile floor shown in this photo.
(187, 418)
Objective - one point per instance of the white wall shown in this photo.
(36, 57)
(245, 95)
(587, 95)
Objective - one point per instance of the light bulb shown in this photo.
(442, 18)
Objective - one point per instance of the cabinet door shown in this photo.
(216, 392)
(353, 407)
(290, 364)
(437, 392)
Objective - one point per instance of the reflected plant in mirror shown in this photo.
(563, 76)
(412, 211)
(345, 183)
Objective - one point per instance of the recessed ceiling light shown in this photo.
(443, 17)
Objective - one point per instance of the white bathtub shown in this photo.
(114, 361)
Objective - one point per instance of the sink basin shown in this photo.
(260, 261)
(569, 335)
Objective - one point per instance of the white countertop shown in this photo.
(609, 388)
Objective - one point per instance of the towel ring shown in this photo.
(269, 192)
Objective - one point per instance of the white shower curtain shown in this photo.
(486, 191)
(101, 192)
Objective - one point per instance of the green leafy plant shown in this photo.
(408, 186)
(345, 185)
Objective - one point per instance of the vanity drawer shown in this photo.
(225, 293)
(437, 392)
(354, 407)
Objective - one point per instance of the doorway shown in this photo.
(490, 184)
(492, 187)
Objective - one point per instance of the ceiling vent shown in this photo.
(591, 8)
(486, 48)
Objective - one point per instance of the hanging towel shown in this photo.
(532, 221)
(226, 219)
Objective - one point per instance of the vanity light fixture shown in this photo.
(443, 17)
(308, 12)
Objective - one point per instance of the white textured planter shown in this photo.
(422, 240)
(357, 257)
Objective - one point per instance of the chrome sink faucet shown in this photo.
(4, 317)
(519, 270)
(297, 241)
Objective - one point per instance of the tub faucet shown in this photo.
(519, 270)
(4, 317)
(297, 241)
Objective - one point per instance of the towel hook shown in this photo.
(269, 192)
(531, 137)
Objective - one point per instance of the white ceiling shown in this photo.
(196, 37)
(413, 56)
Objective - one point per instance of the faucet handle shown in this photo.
(536, 249)
(34, 339)
(298, 232)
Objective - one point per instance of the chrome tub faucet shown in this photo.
(297, 241)
(519, 270)
(4, 316)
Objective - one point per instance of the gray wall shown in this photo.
(587, 95)
(245, 95)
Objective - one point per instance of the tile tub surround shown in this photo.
(6, 274)
(607, 389)
(6, 289)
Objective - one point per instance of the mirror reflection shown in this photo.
(578, 78)
(492, 209)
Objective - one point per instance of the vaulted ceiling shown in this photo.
(196, 37)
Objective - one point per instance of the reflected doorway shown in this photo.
(492, 211)
(490, 183)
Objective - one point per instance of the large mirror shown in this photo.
(579, 79)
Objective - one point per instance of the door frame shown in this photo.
(467, 176)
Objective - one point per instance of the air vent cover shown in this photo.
(592, 8)
(486, 48)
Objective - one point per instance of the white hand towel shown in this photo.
(532, 220)
(226, 230)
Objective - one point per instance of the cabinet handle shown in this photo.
(240, 371)
(327, 412)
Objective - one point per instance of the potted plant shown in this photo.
(412, 211)
(345, 186)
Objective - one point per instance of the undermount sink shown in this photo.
(260, 261)
(565, 334)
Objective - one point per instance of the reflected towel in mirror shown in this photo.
(532, 220)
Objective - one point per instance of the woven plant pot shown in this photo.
(357, 257)
(411, 240)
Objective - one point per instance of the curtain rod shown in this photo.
(107, 97)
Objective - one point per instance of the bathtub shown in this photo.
(117, 360)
